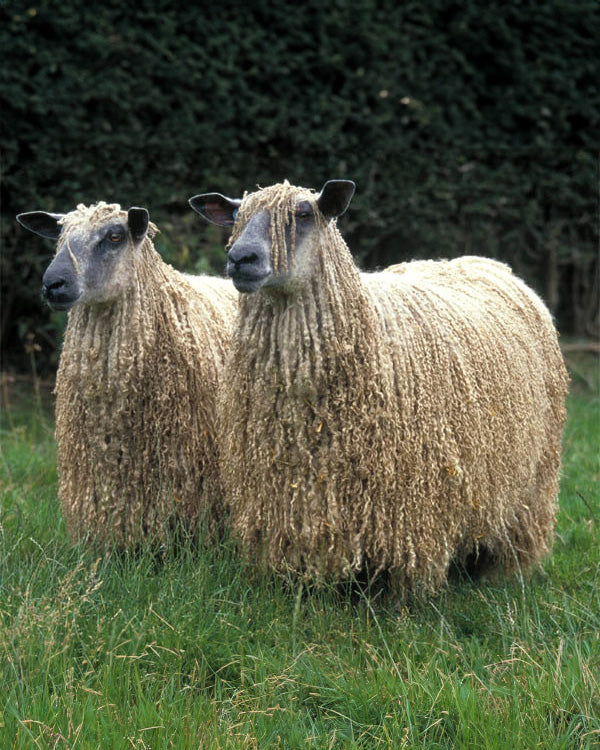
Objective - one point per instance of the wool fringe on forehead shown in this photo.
(135, 403)
(87, 217)
(398, 420)
(280, 201)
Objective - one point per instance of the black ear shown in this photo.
(42, 223)
(216, 208)
(137, 219)
(335, 197)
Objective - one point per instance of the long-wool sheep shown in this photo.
(399, 420)
(135, 389)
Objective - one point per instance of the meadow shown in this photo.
(194, 648)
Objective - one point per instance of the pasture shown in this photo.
(193, 648)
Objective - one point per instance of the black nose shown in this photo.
(60, 291)
(242, 256)
(51, 290)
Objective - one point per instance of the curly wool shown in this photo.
(400, 420)
(135, 400)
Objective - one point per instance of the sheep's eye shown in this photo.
(234, 213)
(115, 236)
(303, 210)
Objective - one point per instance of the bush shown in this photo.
(468, 127)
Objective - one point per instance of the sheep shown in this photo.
(395, 421)
(135, 389)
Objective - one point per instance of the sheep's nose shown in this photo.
(52, 288)
(242, 256)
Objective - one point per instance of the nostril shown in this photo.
(247, 259)
(244, 260)
(52, 288)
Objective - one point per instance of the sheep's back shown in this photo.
(213, 304)
(216, 288)
(470, 331)
(480, 386)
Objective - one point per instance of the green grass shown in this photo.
(197, 650)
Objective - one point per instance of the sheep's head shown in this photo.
(93, 260)
(276, 231)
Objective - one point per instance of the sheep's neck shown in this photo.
(302, 408)
(308, 339)
(105, 344)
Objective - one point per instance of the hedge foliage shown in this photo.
(468, 127)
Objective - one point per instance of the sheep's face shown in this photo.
(93, 261)
(276, 231)
(254, 261)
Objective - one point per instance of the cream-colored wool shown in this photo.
(135, 397)
(401, 419)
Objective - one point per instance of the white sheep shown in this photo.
(398, 420)
(136, 383)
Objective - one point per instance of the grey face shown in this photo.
(249, 262)
(249, 258)
(85, 266)
(92, 262)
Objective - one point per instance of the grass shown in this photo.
(197, 650)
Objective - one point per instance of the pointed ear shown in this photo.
(335, 197)
(42, 223)
(137, 220)
(216, 208)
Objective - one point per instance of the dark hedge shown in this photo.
(468, 127)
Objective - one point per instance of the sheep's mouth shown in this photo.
(248, 283)
(59, 305)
